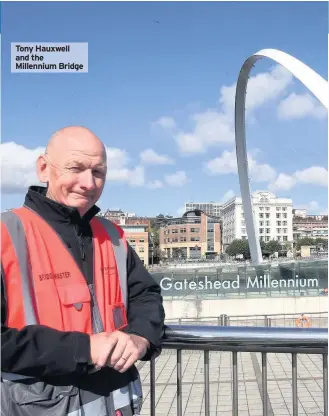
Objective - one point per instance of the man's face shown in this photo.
(77, 178)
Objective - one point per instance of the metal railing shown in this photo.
(316, 319)
(243, 339)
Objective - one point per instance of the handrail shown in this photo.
(247, 339)
(263, 315)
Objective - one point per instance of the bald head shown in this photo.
(74, 167)
(74, 138)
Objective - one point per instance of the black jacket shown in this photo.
(43, 352)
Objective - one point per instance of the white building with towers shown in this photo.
(273, 217)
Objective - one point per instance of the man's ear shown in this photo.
(43, 169)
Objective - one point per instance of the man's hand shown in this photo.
(117, 349)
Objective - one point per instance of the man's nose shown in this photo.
(87, 180)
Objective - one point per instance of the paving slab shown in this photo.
(279, 384)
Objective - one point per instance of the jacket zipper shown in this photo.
(96, 316)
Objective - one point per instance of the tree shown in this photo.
(238, 247)
(322, 241)
(306, 241)
(273, 246)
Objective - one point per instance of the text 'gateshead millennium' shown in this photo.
(259, 282)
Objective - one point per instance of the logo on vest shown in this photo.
(108, 269)
(51, 276)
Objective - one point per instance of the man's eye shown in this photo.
(75, 169)
(99, 173)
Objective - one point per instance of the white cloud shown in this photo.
(18, 167)
(282, 183)
(177, 179)
(150, 157)
(211, 128)
(156, 184)
(313, 207)
(224, 164)
(165, 123)
(215, 127)
(299, 106)
(227, 163)
(315, 175)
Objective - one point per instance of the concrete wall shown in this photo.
(197, 308)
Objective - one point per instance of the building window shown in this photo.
(278, 215)
(261, 230)
(261, 223)
(195, 238)
(267, 208)
(141, 249)
(182, 239)
(284, 208)
(278, 230)
(267, 215)
(285, 230)
(141, 240)
(174, 231)
(284, 215)
(183, 230)
(268, 223)
(278, 223)
(268, 231)
(195, 230)
(261, 215)
(285, 238)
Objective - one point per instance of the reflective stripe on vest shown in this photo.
(120, 252)
(86, 405)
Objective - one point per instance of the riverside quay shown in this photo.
(250, 365)
(304, 278)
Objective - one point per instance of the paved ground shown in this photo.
(310, 384)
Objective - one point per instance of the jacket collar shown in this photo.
(53, 211)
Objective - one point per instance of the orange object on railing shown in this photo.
(303, 322)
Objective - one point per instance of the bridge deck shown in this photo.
(310, 384)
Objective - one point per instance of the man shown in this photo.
(78, 307)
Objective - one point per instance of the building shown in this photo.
(312, 226)
(302, 213)
(136, 230)
(210, 208)
(194, 236)
(138, 237)
(273, 218)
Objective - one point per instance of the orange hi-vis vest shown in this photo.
(56, 293)
(45, 286)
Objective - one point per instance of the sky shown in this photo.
(161, 98)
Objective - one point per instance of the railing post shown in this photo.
(268, 321)
(152, 387)
(325, 384)
(294, 385)
(235, 403)
(179, 384)
(223, 320)
(264, 383)
(206, 384)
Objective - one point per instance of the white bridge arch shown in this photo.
(316, 85)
